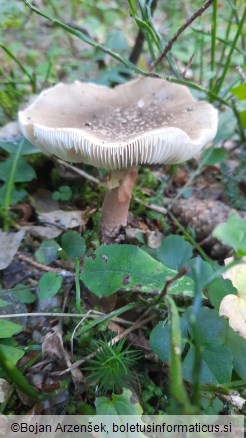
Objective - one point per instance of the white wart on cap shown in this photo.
(147, 120)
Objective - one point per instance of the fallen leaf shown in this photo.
(9, 244)
(63, 219)
(43, 232)
(233, 307)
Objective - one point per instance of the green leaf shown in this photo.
(205, 271)
(16, 195)
(3, 303)
(118, 405)
(227, 126)
(64, 194)
(8, 328)
(160, 339)
(239, 91)
(22, 294)
(242, 116)
(237, 345)
(213, 156)
(12, 354)
(213, 331)
(73, 244)
(47, 252)
(49, 284)
(216, 364)
(24, 171)
(123, 267)
(174, 252)
(212, 327)
(218, 289)
(233, 233)
(27, 147)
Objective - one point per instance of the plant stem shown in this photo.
(23, 69)
(77, 286)
(213, 40)
(10, 187)
(228, 60)
(82, 36)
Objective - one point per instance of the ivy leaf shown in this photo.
(49, 285)
(118, 405)
(174, 252)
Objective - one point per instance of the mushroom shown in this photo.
(144, 121)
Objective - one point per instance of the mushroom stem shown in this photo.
(116, 206)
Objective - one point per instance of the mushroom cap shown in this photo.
(147, 120)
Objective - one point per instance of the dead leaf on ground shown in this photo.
(233, 307)
(9, 244)
(52, 348)
(43, 232)
(63, 219)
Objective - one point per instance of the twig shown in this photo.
(139, 323)
(78, 171)
(93, 315)
(42, 267)
(183, 271)
(178, 33)
(153, 207)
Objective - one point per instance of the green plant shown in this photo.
(112, 367)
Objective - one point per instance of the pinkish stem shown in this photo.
(115, 208)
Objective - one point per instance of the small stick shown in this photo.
(41, 267)
(64, 315)
(78, 171)
(177, 34)
(153, 207)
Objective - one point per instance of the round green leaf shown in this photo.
(49, 285)
(73, 244)
(174, 252)
(47, 252)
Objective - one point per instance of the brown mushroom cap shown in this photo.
(146, 120)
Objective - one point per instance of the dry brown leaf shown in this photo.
(9, 244)
(63, 219)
